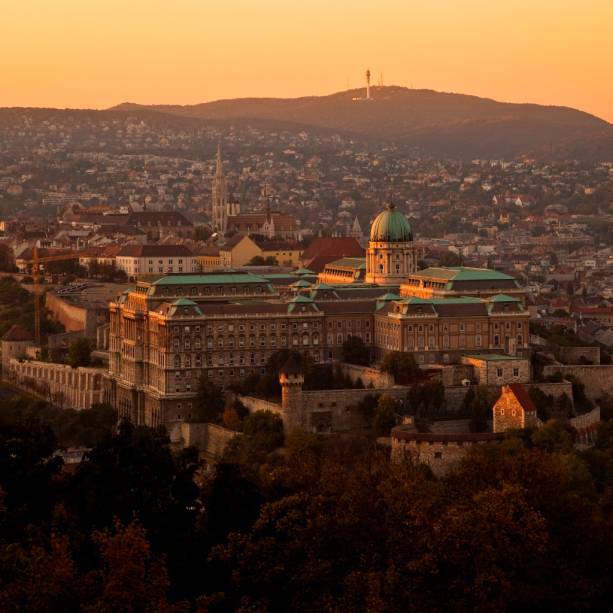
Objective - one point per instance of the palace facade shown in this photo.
(166, 333)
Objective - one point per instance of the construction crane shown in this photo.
(37, 262)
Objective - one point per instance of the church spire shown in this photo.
(219, 217)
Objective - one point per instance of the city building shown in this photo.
(64, 386)
(139, 260)
(14, 344)
(391, 252)
(167, 332)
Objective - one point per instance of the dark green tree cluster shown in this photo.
(477, 406)
(356, 352)
(80, 352)
(426, 399)
(259, 260)
(316, 376)
(402, 366)
(71, 428)
(17, 307)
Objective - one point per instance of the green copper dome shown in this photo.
(391, 226)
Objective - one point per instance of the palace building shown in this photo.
(168, 332)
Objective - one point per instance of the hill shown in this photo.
(435, 123)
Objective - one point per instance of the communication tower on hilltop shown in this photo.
(368, 84)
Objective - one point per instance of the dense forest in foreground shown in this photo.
(300, 523)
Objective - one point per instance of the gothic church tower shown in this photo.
(219, 208)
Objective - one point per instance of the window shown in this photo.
(499, 372)
(516, 372)
(438, 455)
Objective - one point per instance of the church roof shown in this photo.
(391, 226)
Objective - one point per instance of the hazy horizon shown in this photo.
(248, 97)
(70, 54)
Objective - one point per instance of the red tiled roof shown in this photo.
(519, 391)
(17, 333)
(338, 247)
(150, 251)
(243, 221)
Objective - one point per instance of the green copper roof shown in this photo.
(301, 283)
(491, 357)
(355, 263)
(301, 298)
(503, 298)
(210, 279)
(184, 302)
(462, 273)
(389, 296)
(390, 226)
(303, 271)
(458, 300)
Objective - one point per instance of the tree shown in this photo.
(79, 352)
(132, 578)
(7, 259)
(133, 473)
(384, 418)
(355, 351)
(258, 260)
(265, 429)
(426, 399)
(230, 419)
(542, 401)
(209, 401)
(477, 406)
(401, 365)
(450, 258)
(563, 407)
(553, 436)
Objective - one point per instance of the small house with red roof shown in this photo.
(514, 409)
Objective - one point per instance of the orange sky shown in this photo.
(96, 53)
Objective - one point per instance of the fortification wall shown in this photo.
(341, 407)
(368, 374)
(441, 453)
(210, 439)
(573, 355)
(259, 404)
(73, 318)
(553, 389)
(598, 379)
(64, 386)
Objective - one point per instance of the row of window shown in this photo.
(221, 328)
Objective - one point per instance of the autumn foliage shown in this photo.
(320, 524)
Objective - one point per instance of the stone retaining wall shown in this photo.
(210, 439)
(573, 355)
(368, 374)
(598, 379)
